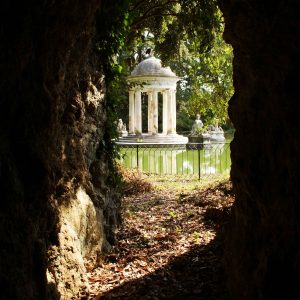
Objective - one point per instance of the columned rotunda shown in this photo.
(150, 78)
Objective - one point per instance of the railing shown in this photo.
(191, 161)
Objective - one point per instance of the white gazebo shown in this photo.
(150, 78)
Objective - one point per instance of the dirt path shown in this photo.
(169, 247)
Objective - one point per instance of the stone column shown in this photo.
(170, 111)
(165, 112)
(155, 112)
(173, 97)
(131, 124)
(150, 113)
(138, 112)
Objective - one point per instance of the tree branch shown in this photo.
(139, 3)
(140, 20)
(148, 13)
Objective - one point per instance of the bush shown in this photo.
(184, 122)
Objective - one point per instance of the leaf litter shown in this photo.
(169, 245)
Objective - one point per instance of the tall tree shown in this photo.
(172, 23)
(187, 36)
(208, 81)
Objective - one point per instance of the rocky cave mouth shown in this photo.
(53, 113)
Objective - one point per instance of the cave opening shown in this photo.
(53, 113)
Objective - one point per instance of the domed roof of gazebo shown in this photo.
(151, 66)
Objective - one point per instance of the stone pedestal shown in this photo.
(217, 136)
(202, 140)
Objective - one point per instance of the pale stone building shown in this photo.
(150, 78)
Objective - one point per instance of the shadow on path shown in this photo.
(197, 274)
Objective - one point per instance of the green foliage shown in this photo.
(184, 34)
(196, 237)
(172, 24)
(184, 122)
(187, 36)
(110, 42)
(200, 130)
(211, 83)
(112, 28)
(173, 214)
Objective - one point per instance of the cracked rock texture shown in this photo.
(58, 210)
(262, 249)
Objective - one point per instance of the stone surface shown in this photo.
(202, 138)
(53, 115)
(217, 136)
(58, 208)
(162, 139)
(262, 247)
(151, 66)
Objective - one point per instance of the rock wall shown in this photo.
(262, 247)
(58, 210)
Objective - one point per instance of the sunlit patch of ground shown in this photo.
(168, 247)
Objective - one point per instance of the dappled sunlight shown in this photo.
(162, 229)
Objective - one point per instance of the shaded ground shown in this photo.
(169, 247)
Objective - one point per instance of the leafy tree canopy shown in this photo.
(187, 36)
(173, 26)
